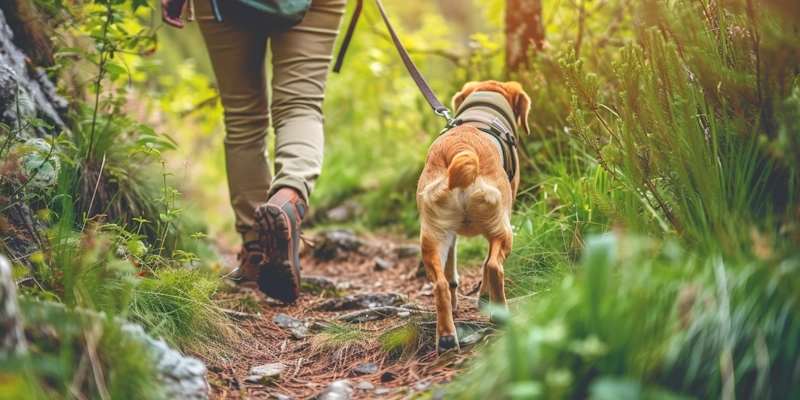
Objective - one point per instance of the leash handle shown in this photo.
(423, 86)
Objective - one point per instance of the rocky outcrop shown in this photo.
(26, 91)
(182, 377)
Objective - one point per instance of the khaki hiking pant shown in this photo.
(301, 58)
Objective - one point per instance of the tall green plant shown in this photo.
(687, 135)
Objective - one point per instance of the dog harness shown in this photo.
(491, 114)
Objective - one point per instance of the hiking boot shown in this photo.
(278, 225)
(250, 259)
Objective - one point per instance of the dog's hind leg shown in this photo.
(499, 248)
(451, 273)
(483, 291)
(434, 249)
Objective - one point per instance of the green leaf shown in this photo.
(114, 68)
(527, 226)
(135, 4)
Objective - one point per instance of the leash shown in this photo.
(423, 86)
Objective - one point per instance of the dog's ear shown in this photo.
(521, 104)
(468, 88)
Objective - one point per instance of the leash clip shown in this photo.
(451, 122)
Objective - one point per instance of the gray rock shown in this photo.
(344, 212)
(27, 90)
(422, 386)
(363, 300)
(383, 265)
(280, 396)
(372, 314)
(339, 390)
(299, 333)
(266, 372)
(316, 284)
(404, 314)
(334, 244)
(366, 369)
(382, 391)
(475, 337)
(361, 385)
(183, 378)
(286, 322)
(408, 250)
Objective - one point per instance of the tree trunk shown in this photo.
(524, 28)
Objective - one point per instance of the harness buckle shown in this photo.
(508, 136)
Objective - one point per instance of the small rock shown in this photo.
(344, 212)
(342, 286)
(363, 300)
(366, 369)
(388, 377)
(404, 314)
(317, 284)
(299, 333)
(339, 390)
(422, 386)
(474, 337)
(280, 396)
(286, 322)
(383, 265)
(265, 373)
(361, 385)
(382, 391)
(331, 244)
(372, 314)
(407, 251)
(338, 214)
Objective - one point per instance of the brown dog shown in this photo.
(468, 188)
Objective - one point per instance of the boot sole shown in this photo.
(279, 276)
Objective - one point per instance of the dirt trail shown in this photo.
(312, 359)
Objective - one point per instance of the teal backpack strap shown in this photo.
(215, 9)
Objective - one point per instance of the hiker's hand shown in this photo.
(171, 11)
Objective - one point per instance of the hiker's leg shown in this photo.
(237, 47)
(301, 58)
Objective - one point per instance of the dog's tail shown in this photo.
(463, 170)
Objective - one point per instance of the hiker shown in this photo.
(268, 209)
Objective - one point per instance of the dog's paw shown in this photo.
(446, 342)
